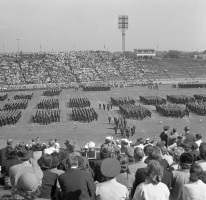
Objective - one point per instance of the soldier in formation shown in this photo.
(24, 95)
(3, 96)
(199, 108)
(16, 104)
(152, 100)
(48, 104)
(96, 88)
(9, 117)
(52, 92)
(180, 99)
(46, 116)
(122, 100)
(84, 114)
(79, 102)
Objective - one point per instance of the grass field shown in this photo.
(96, 131)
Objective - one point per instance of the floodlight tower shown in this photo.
(123, 26)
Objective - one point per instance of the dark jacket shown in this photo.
(77, 184)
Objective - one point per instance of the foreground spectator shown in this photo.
(196, 189)
(152, 188)
(75, 183)
(202, 150)
(111, 189)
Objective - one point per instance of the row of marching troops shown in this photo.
(134, 111)
(181, 99)
(107, 106)
(16, 104)
(198, 108)
(96, 88)
(48, 104)
(122, 100)
(79, 102)
(52, 92)
(200, 97)
(46, 116)
(84, 114)
(152, 100)
(3, 96)
(191, 85)
(24, 95)
(9, 117)
(172, 110)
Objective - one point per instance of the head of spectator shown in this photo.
(108, 139)
(56, 160)
(138, 154)
(124, 143)
(198, 136)
(147, 148)
(45, 161)
(161, 144)
(9, 142)
(37, 147)
(187, 129)
(110, 168)
(186, 146)
(123, 159)
(166, 128)
(11, 152)
(91, 146)
(107, 151)
(28, 185)
(51, 143)
(21, 145)
(72, 146)
(24, 154)
(72, 162)
(177, 153)
(154, 172)
(174, 131)
(139, 143)
(194, 146)
(196, 173)
(130, 154)
(202, 150)
(154, 153)
(186, 160)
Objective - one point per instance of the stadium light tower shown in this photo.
(18, 44)
(123, 26)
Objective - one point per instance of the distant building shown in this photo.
(144, 53)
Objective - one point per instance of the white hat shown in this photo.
(125, 140)
(91, 144)
(108, 138)
(147, 139)
(86, 146)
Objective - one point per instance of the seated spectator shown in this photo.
(139, 158)
(49, 181)
(76, 183)
(37, 149)
(196, 189)
(181, 176)
(55, 164)
(176, 157)
(195, 151)
(52, 148)
(111, 189)
(125, 177)
(11, 160)
(202, 150)
(152, 188)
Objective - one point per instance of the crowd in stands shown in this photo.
(172, 169)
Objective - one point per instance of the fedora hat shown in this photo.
(24, 154)
(110, 167)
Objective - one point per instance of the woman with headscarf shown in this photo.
(152, 188)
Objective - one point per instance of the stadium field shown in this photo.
(96, 131)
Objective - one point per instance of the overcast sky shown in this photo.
(66, 25)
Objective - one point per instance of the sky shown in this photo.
(66, 25)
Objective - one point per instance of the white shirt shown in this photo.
(50, 150)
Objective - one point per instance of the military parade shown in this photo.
(79, 102)
(84, 114)
(96, 88)
(180, 99)
(23, 95)
(3, 96)
(152, 100)
(52, 92)
(192, 85)
(199, 108)
(200, 97)
(122, 100)
(48, 104)
(9, 117)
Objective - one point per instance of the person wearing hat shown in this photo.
(188, 137)
(164, 135)
(198, 139)
(172, 139)
(181, 176)
(76, 183)
(15, 171)
(51, 149)
(111, 189)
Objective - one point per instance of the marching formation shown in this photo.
(48, 104)
(9, 117)
(172, 110)
(122, 100)
(52, 92)
(46, 116)
(23, 95)
(191, 85)
(79, 102)
(182, 99)
(152, 100)
(84, 114)
(96, 88)
(134, 111)
(16, 104)
(197, 108)
(200, 97)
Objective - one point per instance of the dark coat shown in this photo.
(77, 185)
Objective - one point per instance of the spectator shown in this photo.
(51, 149)
(152, 188)
(111, 189)
(188, 136)
(76, 183)
(49, 181)
(37, 149)
(202, 150)
(198, 139)
(176, 157)
(196, 189)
